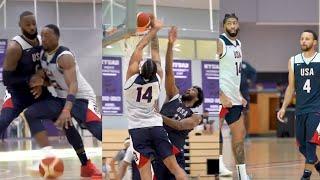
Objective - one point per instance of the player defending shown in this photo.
(142, 89)
(304, 73)
(229, 51)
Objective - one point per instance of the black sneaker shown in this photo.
(317, 166)
(306, 175)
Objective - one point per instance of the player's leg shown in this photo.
(235, 121)
(223, 171)
(9, 111)
(166, 152)
(142, 145)
(86, 114)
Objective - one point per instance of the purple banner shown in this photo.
(112, 103)
(210, 86)
(183, 74)
(3, 47)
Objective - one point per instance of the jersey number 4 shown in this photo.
(307, 86)
(147, 94)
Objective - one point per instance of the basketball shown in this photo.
(143, 20)
(51, 167)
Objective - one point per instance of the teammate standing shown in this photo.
(229, 51)
(304, 74)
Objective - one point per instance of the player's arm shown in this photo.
(155, 55)
(122, 169)
(12, 57)
(170, 83)
(67, 63)
(289, 92)
(219, 48)
(136, 57)
(224, 100)
(183, 124)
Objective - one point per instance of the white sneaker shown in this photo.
(223, 171)
(242, 172)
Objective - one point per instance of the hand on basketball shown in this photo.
(172, 35)
(64, 120)
(36, 91)
(157, 24)
(36, 80)
(280, 114)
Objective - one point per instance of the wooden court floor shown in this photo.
(269, 158)
(16, 157)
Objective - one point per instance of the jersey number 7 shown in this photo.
(147, 94)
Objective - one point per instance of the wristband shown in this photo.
(71, 98)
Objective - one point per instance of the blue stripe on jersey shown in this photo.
(56, 54)
(307, 85)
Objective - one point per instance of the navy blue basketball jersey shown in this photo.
(307, 83)
(176, 110)
(29, 61)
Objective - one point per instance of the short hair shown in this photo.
(54, 28)
(200, 97)
(227, 16)
(25, 13)
(315, 36)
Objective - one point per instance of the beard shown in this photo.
(306, 48)
(232, 34)
(186, 97)
(30, 36)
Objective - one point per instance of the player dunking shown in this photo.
(304, 74)
(75, 98)
(229, 50)
(142, 89)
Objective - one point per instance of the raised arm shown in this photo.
(136, 57)
(155, 55)
(170, 84)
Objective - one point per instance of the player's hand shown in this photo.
(157, 24)
(64, 120)
(244, 102)
(36, 91)
(225, 101)
(280, 114)
(152, 18)
(172, 35)
(36, 80)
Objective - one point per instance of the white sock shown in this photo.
(221, 163)
(241, 171)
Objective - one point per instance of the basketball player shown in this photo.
(21, 60)
(178, 117)
(75, 98)
(142, 89)
(229, 51)
(304, 82)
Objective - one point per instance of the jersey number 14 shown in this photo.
(147, 94)
(307, 86)
(238, 68)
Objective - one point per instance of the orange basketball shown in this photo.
(143, 20)
(51, 167)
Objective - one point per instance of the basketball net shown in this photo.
(128, 45)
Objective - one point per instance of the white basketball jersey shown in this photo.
(55, 74)
(141, 98)
(230, 69)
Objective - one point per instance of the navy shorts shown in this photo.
(149, 143)
(234, 114)
(306, 126)
(14, 103)
(82, 111)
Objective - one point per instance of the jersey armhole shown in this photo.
(224, 49)
(130, 81)
(61, 54)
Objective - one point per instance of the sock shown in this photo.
(241, 171)
(306, 173)
(221, 164)
(83, 157)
